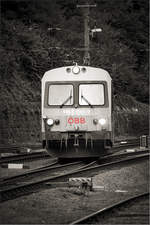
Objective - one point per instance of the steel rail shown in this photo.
(24, 157)
(3, 180)
(35, 155)
(119, 145)
(102, 160)
(118, 154)
(88, 219)
(11, 193)
(38, 171)
(30, 187)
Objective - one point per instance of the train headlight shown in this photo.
(102, 121)
(50, 122)
(76, 69)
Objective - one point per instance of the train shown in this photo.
(76, 110)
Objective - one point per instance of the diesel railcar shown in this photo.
(77, 111)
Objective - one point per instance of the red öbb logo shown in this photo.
(76, 120)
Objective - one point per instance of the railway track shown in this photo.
(131, 142)
(120, 145)
(18, 148)
(53, 168)
(42, 169)
(43, 154)
(24, 157)
(20, 188)
(103, 215)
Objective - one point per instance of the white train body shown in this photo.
(76, 111)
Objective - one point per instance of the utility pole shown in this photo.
(86, 12)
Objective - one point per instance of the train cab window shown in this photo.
(91, 94)
(60, 95)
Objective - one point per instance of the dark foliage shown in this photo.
(121, 47)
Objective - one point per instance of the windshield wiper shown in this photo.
(86, 101)
(69, 98)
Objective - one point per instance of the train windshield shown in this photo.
(61, 94)
(91, 94)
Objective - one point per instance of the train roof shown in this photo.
(75, 73)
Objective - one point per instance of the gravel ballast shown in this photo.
(63, 205)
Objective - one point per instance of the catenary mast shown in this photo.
(86, 11)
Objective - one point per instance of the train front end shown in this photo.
(76, 112)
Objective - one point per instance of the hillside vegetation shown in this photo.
(28, 48)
